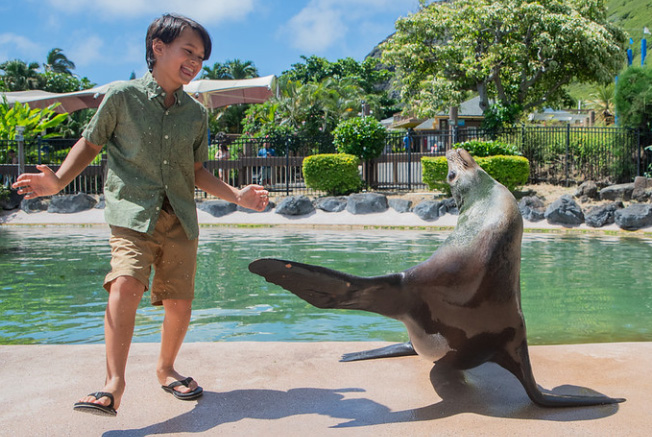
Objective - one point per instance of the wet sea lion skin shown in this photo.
(462, 306)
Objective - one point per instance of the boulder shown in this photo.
(602, 215)
(427, 210)
(448, 206)
(635, 216)
(565, 212)
(34, 205)
(71, 203)
(331, 204)
(11, 201)
(217, 208)
(588, 190)
(642, 189)
(532, 208)
(400, 205)
(617, 192)
(366, 203)
(295, 205)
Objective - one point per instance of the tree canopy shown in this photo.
(634, 98)
(515, 54)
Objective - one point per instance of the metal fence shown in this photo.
(558, 155)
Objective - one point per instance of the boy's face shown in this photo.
(180, 61)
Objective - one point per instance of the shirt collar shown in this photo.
(154, 90)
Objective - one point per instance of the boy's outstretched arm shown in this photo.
(254, 197)
(48, 183)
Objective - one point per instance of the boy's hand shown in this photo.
(254, 197)
(34, 185)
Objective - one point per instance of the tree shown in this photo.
(634, 98)
(602, 101)
(519, 54)
(232, 69)
(57, 62)
(20, 76)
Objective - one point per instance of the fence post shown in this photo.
(640, 152)
(21, 149)
(567, 152)
(409, 163)
(287, 166)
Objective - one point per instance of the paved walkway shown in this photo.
(300, 389)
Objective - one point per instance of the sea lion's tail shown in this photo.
(326, 288)
(520, 366)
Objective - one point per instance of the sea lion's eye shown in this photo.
(451, 175)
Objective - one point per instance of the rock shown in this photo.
(101, 203)
(217, 208)
(34, 205)
(532, 208)
(635, 216)
(564, 211)
(295, 205)
(366, 203)
(642, 191)
(588, 189)
(448, 206)
(332, 204)
(12, 201)
(268, 208)
(427, 210)
(617, 192)
(71, 203)
(602, 215)
(400, 205)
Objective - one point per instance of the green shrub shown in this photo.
(511, 171)
(487, 148)
(336, 174)
(434, 173)
(363, 137)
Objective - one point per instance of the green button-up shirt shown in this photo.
(151, 153)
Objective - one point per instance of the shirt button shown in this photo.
(166, 137)
(167, 112)
(158, 209)
(165, 161)
(166, 187)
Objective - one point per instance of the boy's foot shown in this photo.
(92, 404)
(188, 395)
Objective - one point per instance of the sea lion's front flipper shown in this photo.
(393, 350)
(326, 288)
(519, 365)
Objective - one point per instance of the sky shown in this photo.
(106, 38)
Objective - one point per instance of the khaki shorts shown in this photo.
(173, 256)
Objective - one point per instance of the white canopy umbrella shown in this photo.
(212, 93)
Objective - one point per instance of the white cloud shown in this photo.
(10, 42)
(204, 11)
(321, 24)
(88, 51)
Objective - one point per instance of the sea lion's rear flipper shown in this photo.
(520, 366)
(393, 350)
(326, 288)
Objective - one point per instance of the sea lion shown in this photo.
(462, 306)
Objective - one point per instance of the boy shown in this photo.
(156, 140)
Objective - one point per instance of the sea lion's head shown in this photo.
(465, 177)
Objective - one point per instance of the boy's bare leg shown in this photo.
(124, 296)
(175, 326)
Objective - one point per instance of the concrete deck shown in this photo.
(301, 389)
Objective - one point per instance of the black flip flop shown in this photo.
(98, 409)
(191, 395)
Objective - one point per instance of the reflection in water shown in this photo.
(575, 289)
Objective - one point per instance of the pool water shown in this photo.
(575, 289)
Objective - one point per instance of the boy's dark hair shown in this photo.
(167, 28)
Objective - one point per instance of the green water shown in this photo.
(576, 289)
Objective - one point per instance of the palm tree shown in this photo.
(233, 69)
(602, 101)
(19, 76)
(57, 62)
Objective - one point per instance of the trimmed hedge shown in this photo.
(511, 171)
(335, 173)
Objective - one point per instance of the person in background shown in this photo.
(265, 172)
(223, 154)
